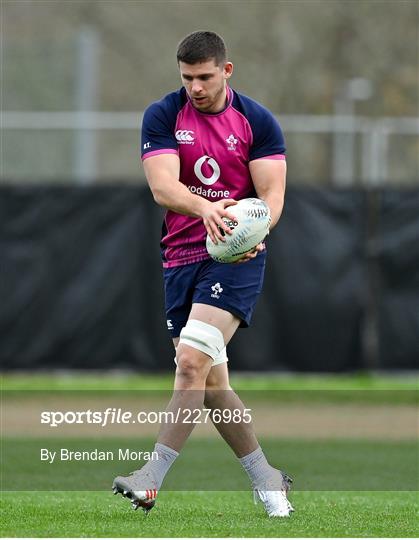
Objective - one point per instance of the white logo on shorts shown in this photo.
(217, 290)
(169, 324)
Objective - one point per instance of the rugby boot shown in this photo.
(140, 487)
(273, 494)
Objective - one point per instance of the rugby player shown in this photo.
(204, 147)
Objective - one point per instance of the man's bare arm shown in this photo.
(162, 173)
(269, 179)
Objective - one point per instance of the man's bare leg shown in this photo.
(242, 440)
(192, 370)
(218, 392)
(193, 367)
(219, 395)
(195, 382)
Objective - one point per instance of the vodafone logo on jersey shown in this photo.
(208, 172)
(211, 165)
(185, 136)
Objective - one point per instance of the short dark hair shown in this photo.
(202, 46)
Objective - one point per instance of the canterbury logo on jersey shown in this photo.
(185, 136)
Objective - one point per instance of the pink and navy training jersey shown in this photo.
(214, 152)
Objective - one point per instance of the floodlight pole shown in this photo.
(85, 144)
(352, 90)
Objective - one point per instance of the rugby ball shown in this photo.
(250, 227)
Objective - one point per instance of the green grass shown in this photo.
(335, 466)
(322, 465)
(209, 514)
(133, 381)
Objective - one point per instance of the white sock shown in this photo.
(256, 466)
(160, 466)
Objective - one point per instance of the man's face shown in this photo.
(205, 84)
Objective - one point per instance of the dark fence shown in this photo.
(81, 282)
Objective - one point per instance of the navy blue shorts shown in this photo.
(232, 287)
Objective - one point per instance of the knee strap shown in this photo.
(203, 337)
(221, 358)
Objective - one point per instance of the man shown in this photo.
(203, 148)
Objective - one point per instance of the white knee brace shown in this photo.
(205, 338)
(219, 360)
(222, 357)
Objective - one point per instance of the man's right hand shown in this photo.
(212, 214)
(162, 172)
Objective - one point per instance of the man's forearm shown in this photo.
(177, 197)
(276, 205)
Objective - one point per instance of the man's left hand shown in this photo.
(251, 254)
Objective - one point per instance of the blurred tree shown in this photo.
(291, 55)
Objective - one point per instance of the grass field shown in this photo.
(213, 514)
(344, 486)
(121, 381)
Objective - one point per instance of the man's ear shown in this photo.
(228, 70)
